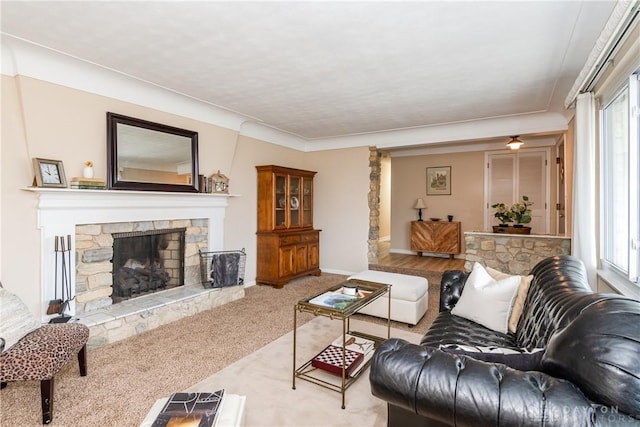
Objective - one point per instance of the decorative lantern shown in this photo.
(219, 183)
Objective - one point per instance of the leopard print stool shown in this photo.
(40, 354)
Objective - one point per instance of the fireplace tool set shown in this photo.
(63, 258)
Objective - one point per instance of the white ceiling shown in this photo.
(320, 70)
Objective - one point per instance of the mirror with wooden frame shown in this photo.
(148, 156)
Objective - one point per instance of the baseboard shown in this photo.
(401, 251)
(340, 272)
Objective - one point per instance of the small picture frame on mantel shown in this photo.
(219, 183)
(49, 173)
(439, 181)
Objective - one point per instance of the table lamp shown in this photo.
(420, 205)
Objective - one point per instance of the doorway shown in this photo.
(509, 176)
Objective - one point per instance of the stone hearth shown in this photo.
(132, 317)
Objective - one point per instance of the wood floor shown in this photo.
(415, 262)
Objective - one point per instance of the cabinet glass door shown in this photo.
(307, 202)
(280, 201)
(294, 200)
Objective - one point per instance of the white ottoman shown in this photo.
(409, 296)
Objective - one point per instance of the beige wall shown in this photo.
(241, 217)
(41, 119)
(341, 208)
(20, 244)
(385, 197)
(408, 183)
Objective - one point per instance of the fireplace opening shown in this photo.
(147, 261)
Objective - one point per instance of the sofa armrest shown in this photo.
(451, 287)
(457, 390)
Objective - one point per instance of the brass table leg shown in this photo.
(344, 362)
(295, 315)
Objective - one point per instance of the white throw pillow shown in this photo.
(16, 320)
(487, 301)
(518, 304)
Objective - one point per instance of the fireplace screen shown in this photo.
(222, 268)
(146, 262)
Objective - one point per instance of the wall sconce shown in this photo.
(515, 143)
(420, 205)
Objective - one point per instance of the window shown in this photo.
(619, 169)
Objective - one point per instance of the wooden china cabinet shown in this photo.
(288, 245)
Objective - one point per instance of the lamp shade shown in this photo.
(515, 143)
(420, 204)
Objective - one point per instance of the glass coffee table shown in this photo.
(339, 302)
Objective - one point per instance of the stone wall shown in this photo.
(94, 250)
(511, 253)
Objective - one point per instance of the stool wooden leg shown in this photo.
(82, 361)
(46, 395)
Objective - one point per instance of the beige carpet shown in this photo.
(265, 378)
(126, 378)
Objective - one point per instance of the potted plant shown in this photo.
(521, 212)
(503, 214)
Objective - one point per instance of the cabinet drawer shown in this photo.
(288, 240)
(311, 237)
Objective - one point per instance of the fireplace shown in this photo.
(124, 260)
(92, 217)
(147, 261)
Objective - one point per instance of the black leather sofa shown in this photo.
(588, 375)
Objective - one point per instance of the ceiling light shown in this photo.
(515, 143)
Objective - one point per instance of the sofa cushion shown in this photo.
(558, 293)
(522, 359)
(450, 329)
(487, 301)
(599, 351)
(16, 321)
(518, 303)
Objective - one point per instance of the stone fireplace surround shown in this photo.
(95, 249)
(60, 211)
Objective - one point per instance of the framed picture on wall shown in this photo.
(439, 181)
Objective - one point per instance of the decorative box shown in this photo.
(330, 360)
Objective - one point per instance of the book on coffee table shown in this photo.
(334, 299)
(231, 412)
(193, 409)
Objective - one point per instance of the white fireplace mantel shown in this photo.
(60, 210)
